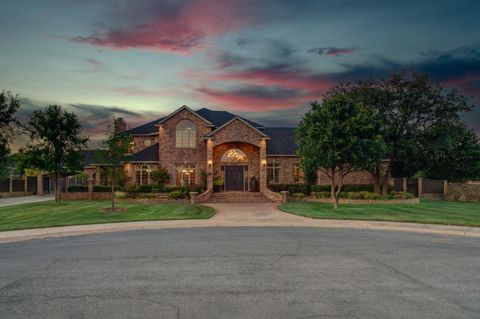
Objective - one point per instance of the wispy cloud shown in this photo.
(332, 51)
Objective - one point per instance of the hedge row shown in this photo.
(166, 189)
(84, 188)
(307, 189)
(366, 195)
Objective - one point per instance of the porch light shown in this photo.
(210, 163)
(264, 163)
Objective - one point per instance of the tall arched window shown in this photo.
(185, 134)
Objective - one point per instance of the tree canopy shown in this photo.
(9, 105)
(55, 143)
(337, 137)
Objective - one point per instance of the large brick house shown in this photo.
(215, 145)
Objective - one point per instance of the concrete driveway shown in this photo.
(259, 272)
(9, 201)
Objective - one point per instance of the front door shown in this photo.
(234, 180)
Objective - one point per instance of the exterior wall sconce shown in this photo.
(264, 163)
(210, 163)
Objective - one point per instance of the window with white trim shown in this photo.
(142, 174)
(273, 172)
(297, 174)
(185, 134)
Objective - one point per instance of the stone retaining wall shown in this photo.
(463, 192)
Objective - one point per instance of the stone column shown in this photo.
(263, 165)
(209, 164)
(404, 184)
(284, 196)
(193, 197)
(420, 187)
(39, 184)
(90, 182)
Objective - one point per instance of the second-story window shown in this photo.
(185, 134)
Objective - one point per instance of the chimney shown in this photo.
(119, 125)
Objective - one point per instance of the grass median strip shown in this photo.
(66, 213)
(428, 211)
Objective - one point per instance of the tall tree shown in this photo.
(9, 105)
(451, 151)
(338, 137)
(55, 143)
(415, 106)
(117, 148)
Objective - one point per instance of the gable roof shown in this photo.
(184, 107)
(218, 118)
(214, 118)
(282, 141)
(236, 118)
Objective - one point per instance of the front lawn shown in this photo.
(428, 211)
(49, 214)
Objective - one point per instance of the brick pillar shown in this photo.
(404, 184)
(90, 182)
(263, 165)
(445, 188)
(420, 187)
(39, 184)
(209, 164)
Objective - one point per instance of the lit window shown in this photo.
(185, 134)
(185, 174)
(234, 155)
(273, 173)
(142, 174)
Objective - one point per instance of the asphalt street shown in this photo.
(242, 273)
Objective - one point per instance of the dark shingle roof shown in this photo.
(218, 118)
(149, 154)
(282, 141)
(147, 128)
(93, 157)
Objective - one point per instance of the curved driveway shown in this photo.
(245, 272)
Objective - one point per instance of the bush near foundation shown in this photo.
(77, 188)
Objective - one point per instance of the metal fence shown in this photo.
(432, 186)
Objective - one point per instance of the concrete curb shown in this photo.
(218, 221)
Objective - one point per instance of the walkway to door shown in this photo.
(9, 201)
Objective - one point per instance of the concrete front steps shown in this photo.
(238, 197)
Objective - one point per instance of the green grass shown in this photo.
(428, 211)
(50, 214)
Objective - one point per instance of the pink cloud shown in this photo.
(181, 30)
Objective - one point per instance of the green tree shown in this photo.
(117, 146)
(161, 177)
(9, 105)
(55, 143)
(338, 137)
(451, 151)
(415, 106)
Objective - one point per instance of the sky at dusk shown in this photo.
(263, 59)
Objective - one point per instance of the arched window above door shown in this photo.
(234, 155)
(185, 134)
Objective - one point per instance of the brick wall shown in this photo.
(287, 163)
(170, 156)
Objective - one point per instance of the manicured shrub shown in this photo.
(145, 188)
(401, 195)
(77, 188)
(323, 195)
(196, 188)
(291, 188)
(132, 191)
(101, 189)
(372, 195)
(298, 196)
(177, 195)
(355, 195)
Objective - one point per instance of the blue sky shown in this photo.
(264, 59)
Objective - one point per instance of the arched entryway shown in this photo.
(234, 167)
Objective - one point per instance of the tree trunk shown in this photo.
(113, 189)
(332, 189)
(57, 188)
(376, 179)
(386, 178)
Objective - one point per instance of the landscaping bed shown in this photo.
(427, 211)
(69, 212)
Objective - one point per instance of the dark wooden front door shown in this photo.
(234, 178)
